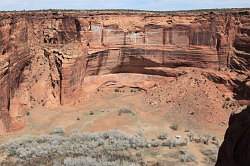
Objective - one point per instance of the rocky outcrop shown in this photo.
(45, 55)
(235, 149)
(14, 58)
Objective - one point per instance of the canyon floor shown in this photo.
(148, 105)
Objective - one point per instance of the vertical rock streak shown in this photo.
(45, 56)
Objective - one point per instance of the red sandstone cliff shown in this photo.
(45, 56)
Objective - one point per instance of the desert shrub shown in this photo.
(155, 143)
(170, 142)
(215, 141)
(57, 131)
(56, 162)
(186, 156)
(79, 161)
(125, 111)
(205, 139)
(210, 155)
(175, 142)
(174, 127)
(101, 161)
(162, 136)
(106, 147)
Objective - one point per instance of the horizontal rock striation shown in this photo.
(45, 55)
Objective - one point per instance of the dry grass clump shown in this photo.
(87, 149)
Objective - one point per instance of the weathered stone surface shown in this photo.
(235, 149)
(45, 56)
(15, 58)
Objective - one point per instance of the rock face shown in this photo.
(45, 56)
(14, 59)
(235, 149)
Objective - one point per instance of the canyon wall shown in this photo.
(14, 58)
(45, 55)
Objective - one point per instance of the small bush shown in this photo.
(186, 157)
(57, 131)
(174, 127)
(210, 155)
(162, 136)
(125, 111)
(89, 149)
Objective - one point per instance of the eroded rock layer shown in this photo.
(45, 56)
